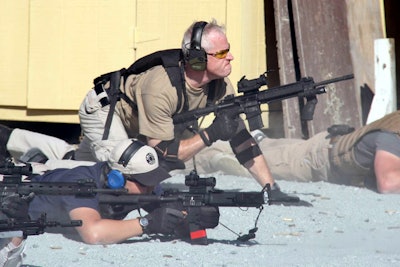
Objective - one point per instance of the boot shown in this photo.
(276, 196)
(5, 133)
(34, 155)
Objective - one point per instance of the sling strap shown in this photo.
(113, 95)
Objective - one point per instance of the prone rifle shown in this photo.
(201, 192)
(251, 99)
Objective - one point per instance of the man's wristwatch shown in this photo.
(144, 222)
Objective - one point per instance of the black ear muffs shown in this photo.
(115, 180)
(197, 56)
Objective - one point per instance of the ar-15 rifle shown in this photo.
(201, 192)
(249, 103)
(13, 227)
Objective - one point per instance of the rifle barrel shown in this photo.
(334, 80)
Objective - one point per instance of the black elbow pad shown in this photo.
(247, 154)
(167, 152)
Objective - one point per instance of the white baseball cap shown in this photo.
(139, 161)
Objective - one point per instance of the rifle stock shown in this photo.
(251, 99)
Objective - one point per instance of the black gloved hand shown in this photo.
(223, 127)
(276, 196)
(16, 206)
(164, 220)
(206, 216)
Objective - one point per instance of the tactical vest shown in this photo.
(170, 59)
(342, 152)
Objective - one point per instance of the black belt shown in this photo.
(98, 88)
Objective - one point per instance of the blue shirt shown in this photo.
(58, 207)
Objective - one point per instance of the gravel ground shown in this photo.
(345, 226)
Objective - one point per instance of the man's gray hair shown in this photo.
(205, 44)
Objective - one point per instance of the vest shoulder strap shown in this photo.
(167, 58)
(170, 59)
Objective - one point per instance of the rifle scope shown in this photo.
(247, 86)
(193, 179)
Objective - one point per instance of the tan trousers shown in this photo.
(288, 159)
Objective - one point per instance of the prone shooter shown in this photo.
(80, 199)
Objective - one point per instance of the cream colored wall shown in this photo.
(52, 50)
(14, 25)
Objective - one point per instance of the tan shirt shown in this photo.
(157, 101)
